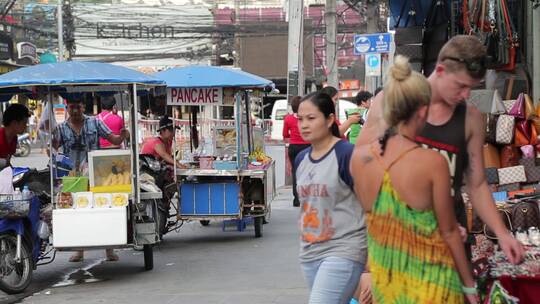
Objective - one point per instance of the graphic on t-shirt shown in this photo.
(316, 225)
(449, 152)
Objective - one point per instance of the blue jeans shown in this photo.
(332, 280)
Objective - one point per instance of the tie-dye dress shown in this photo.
(409, 260)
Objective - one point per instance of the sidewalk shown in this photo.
(202, 265)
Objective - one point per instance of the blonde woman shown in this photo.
(415, 249)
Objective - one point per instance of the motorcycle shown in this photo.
(23, 145)
(24, 237)
(156, 176)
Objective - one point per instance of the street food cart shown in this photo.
(103, 208)
(226, 174)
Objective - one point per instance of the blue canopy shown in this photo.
(211, 77)
(74, 73)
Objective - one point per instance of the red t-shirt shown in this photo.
(150, 144)
(290, 130)
(6, 148)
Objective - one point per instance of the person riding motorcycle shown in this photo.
(161, 146)
(15, 120)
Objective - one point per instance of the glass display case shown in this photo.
(110, 171)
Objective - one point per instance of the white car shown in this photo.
(281, 109)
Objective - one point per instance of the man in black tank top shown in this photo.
(457, 131)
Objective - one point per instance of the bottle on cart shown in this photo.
(26, 195)
(17, 195)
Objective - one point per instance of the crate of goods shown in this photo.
(90, 227)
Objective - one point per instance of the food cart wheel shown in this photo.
(258, 223)
(148, 257)
(205, 222)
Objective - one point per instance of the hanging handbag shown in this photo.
(491, 129)
(408, 36)
(509, 156)
(405, 33)
(492, 158)
(435, 34)
(525, 215)
(505, 129)
(528, 152)
(530, 112)
(518, 108)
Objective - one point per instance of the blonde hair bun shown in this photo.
(401, 69)
(405, 92)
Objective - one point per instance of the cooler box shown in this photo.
(89, 227)
(210, 199)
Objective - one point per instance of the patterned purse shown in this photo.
(504, 133)
(532, 172)
(525, 214)
(509, 187)
(511, 175)
(492, 176)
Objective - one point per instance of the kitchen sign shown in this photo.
(194, 96)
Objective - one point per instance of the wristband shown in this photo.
(353, 301)
(470, 290)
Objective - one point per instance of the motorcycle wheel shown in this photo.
(25, 149)
(14, 277)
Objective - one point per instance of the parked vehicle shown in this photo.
(23, 234)
(23, 145)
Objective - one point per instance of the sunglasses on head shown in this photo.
(474, 65)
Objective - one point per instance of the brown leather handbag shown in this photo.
(491, 156)
(525, 215)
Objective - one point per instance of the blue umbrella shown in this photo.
(74, 73)
(211, 77)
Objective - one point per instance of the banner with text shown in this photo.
(194, 96)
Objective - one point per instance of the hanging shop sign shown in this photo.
(27, 50)
(6, 47)
(194, 96)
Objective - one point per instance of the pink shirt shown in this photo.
(150, 144)
(114, 122)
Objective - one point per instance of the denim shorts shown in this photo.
(332, 280)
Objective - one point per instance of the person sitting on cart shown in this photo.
(15, 119)
(161, 146)
(78, 135)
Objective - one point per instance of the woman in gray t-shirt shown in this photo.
(333, 245)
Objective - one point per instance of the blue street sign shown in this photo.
(372, 43)
(373, 61)
(373, 64)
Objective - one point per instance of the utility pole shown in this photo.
(60, 31)
(295, 60)
(237, 43)
(331, 43)
(536, 52)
